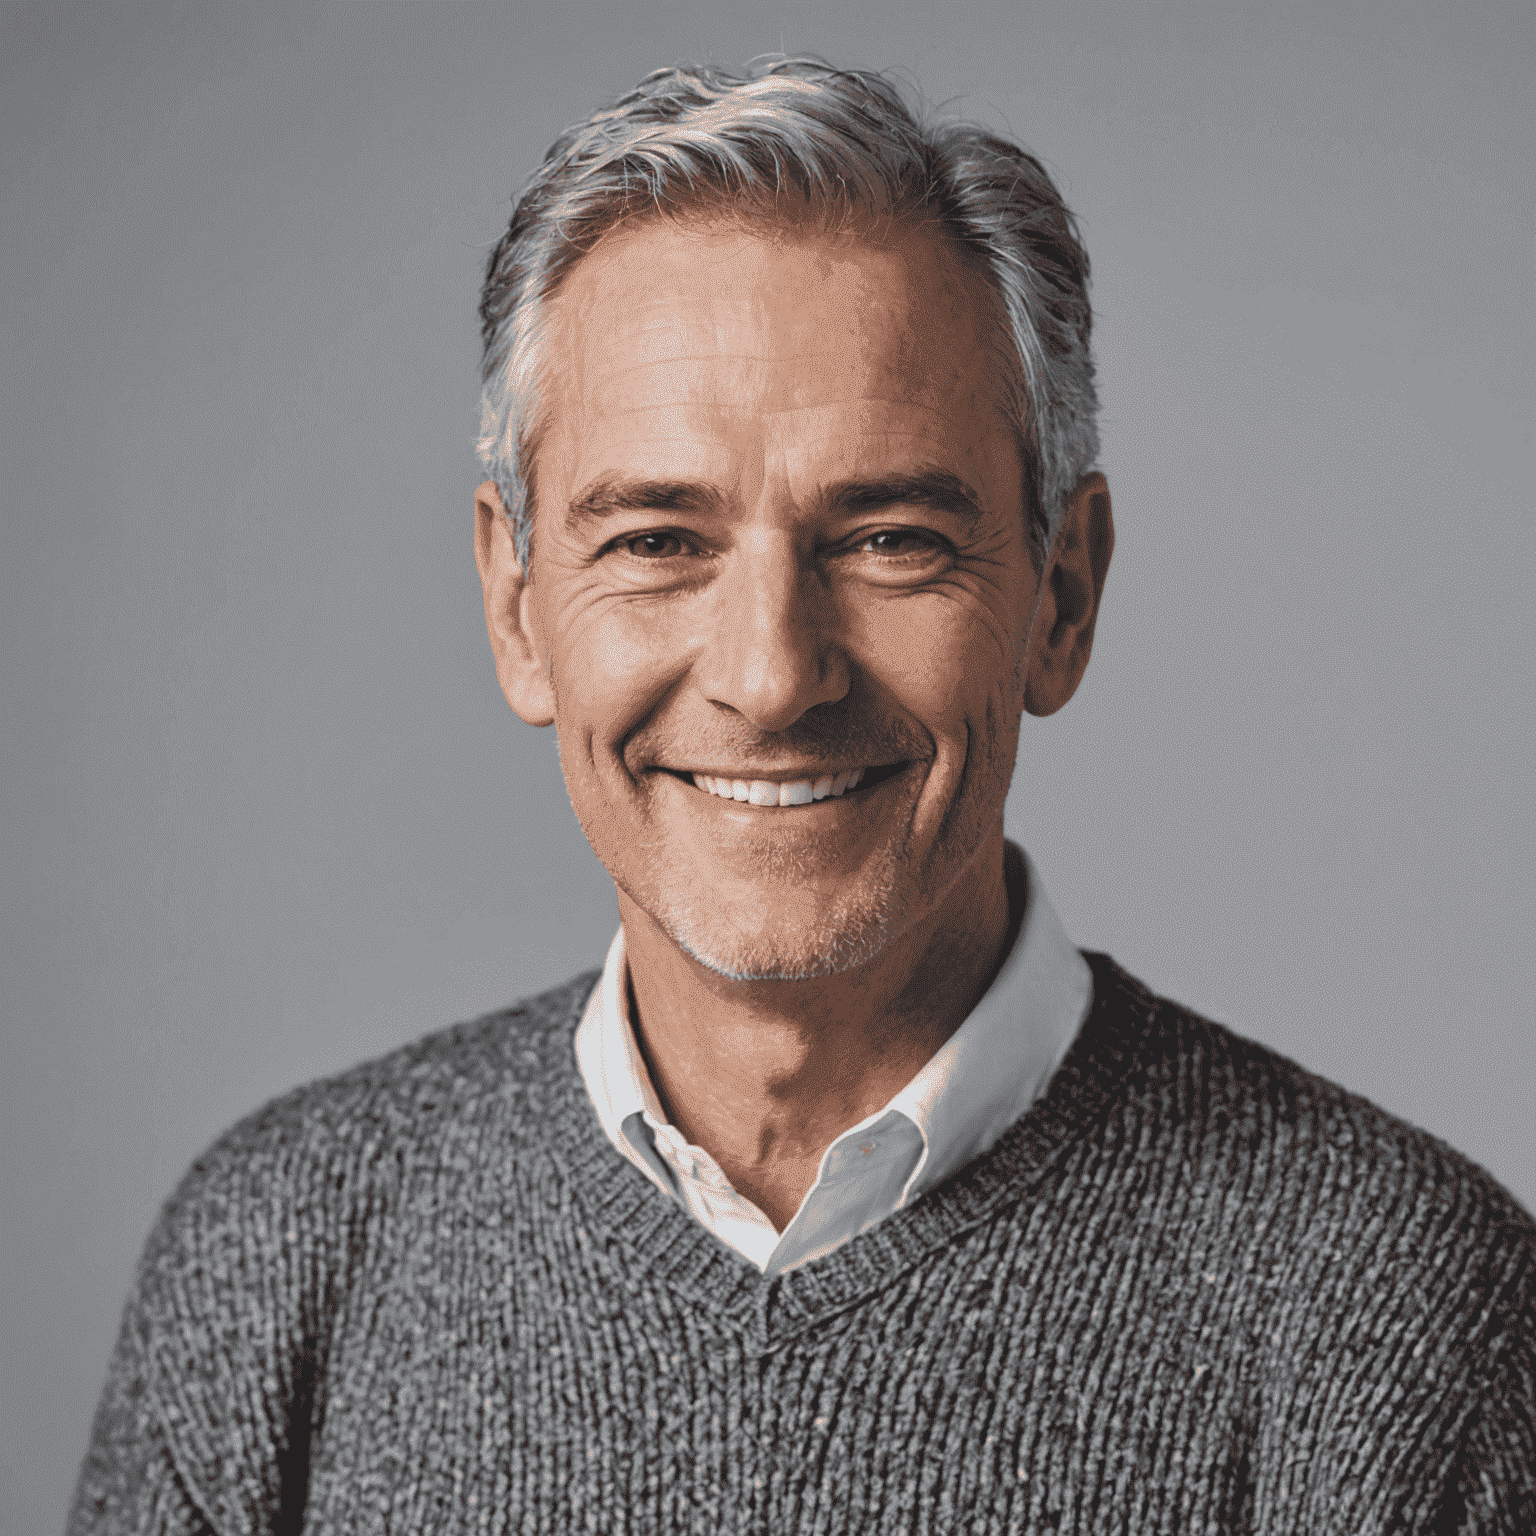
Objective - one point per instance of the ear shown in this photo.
(520, 666)
(1068, 602)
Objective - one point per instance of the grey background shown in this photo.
(265, 810)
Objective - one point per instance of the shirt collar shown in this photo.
(607, 1051)
(998, 1062)
(972, 1089)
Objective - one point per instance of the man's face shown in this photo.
(779, 537)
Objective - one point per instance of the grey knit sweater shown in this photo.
(1194, 1289)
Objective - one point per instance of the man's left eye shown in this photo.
(899, 541)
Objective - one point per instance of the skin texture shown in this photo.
(780, 533)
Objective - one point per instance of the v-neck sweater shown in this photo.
(1194, 1288)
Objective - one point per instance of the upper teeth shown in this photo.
(766, 792)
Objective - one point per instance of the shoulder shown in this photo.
(513, 1051)
(1324, 1192)
(291, 1212)
(313, 1155)
(1218, 1081)
(1377, 1277)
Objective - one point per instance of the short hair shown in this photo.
(788, 134)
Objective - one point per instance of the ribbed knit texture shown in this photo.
(1194, 1289)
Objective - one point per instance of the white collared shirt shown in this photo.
(971, 1090)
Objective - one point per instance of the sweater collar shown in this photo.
(637, 1229)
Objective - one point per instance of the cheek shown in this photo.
(611, 662)
(950, 663)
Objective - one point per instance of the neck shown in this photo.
(765, 1075)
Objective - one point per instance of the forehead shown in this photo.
(733, 353)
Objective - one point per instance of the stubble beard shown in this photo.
(890, 896)
(846, 935)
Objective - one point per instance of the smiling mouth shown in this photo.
(766, 793)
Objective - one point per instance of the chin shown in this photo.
(799, 947)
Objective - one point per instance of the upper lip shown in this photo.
(780, 775)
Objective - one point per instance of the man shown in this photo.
(848, 1196)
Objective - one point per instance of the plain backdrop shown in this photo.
(266, 812)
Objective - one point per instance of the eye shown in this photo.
(650, 546)
(898, 557)
(899, 542)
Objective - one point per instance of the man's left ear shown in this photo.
(1070, 589)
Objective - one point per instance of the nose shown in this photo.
(771, 652)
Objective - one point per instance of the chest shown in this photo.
(502, 1381)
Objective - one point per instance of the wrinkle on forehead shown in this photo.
(645, 306)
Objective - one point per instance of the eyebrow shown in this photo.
(937, 489)
(603, 498)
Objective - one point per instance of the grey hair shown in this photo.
(780, 137)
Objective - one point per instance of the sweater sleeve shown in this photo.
(204, 1423)
(129, 1482)
(1496, 1485)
